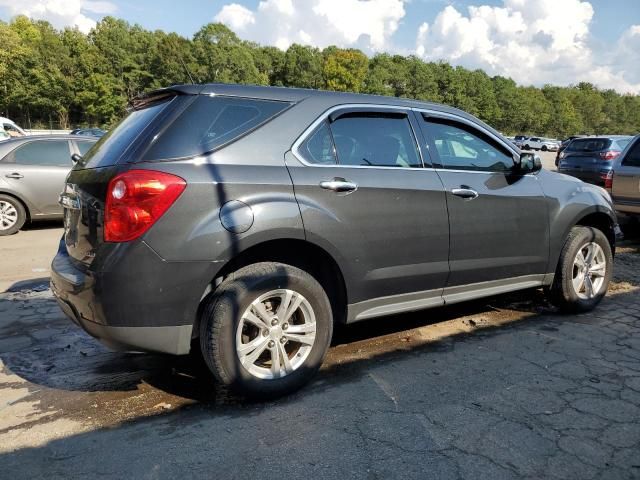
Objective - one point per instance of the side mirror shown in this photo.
(527, 163)
(75, 158)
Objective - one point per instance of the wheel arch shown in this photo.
(299, 253)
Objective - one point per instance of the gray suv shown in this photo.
(247, 221)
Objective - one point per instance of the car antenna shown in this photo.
(184, 65)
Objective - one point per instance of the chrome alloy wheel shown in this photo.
(589, 271)
(276, 334)
(8, 215)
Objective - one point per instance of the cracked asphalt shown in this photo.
(500, 388)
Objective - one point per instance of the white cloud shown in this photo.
(533, 42)
(367, 24)
(61, 13)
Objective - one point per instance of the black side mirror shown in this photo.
(527, 163)
(75, 158)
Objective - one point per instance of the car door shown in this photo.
(365, 196)
(626, 180)
(36, 170)
(498, 219)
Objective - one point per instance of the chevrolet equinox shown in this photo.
(249, 220)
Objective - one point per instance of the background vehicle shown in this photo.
(32, 173)
(11, 128)
(4, 135)
(563, 145)
(538, 143)
(590, 159)
(519, 140)
(253, 218)
(93, 132)
(625, 180)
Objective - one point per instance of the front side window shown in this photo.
(632, 159)
(44, 152)
(463, 148)
(375, 140)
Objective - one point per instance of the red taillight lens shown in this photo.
(609, 154)
(608, 180)
(136, 200)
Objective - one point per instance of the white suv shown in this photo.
(538, 143)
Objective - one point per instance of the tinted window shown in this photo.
(210, 122)
(632, 158)
(110, 148)
(375, 140)
(84, 147)
(44, 152)
(588, 145)
(462, 148)
(318, 148)
(621, 143)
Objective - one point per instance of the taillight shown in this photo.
(608, 181)
(609, 154)
(136, 200)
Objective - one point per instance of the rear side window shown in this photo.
(83, 147)
(318, 148)
(211, 122)
(375, 139)
(621, 143)
(632, 158)
(589, 145)
(50, 153)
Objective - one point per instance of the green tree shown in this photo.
(344, 70)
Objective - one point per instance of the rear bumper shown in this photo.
(141, 303)
(589, 176)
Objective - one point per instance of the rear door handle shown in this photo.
(467, 193)
(15, 175)
(339, 185)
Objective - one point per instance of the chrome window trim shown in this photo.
(295, 148)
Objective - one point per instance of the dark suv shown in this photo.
(248, 220)
(591, 159)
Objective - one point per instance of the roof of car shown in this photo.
(48, 137)
(295, 95)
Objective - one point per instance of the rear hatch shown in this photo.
(586, 159)
(84, 194)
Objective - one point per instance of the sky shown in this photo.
(534, 42)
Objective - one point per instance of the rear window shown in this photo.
(211, 122)
(589, 145)
(111, 146)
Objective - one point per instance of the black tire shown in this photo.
(21, 215)
(544, 148)
(527, 147)
(222, 314)
(562, 292)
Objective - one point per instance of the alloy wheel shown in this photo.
(589, 271)
(8, 215)
(276, 334)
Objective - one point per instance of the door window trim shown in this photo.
(364, 108)
(469, 123)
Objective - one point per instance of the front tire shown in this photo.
(266, 329)
(544, 148)
(584, 271)
(12, 215)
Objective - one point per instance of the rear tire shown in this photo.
(584, 271)
(544, 148)
(266, 329)
(527, 147)
(12, 215)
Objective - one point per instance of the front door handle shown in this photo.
(339, 185)
(15, 175)
(466, 193)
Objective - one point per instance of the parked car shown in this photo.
(4, 136)
(93, 132)
(519, 140)
(625, 180)
(32, 174)
(539, 143)
(248, 220)
(563, 145)
(591, 159)
(10, 127)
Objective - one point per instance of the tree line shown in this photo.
(67, 78)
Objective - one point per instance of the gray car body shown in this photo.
(400, 242)
(626, 182)
(38, 187)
